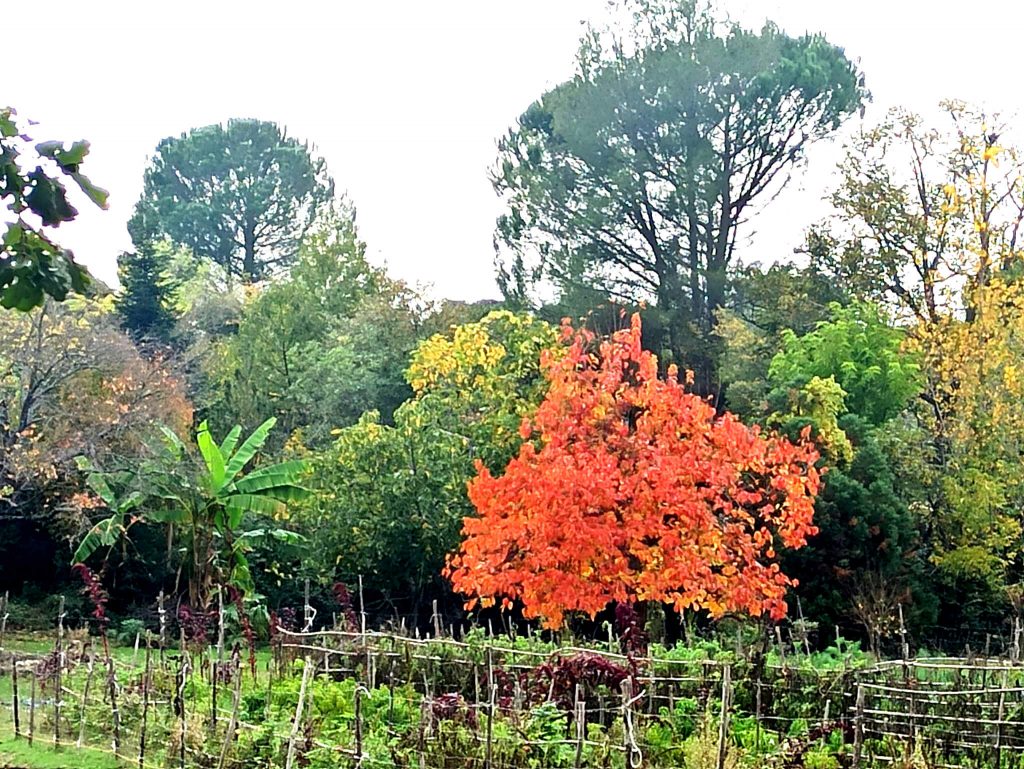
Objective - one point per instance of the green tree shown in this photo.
(241, 194)
(146, 301)
(32, 265)
(763, 305)
(317, 348)
(634, 176)
(391, 498)
(868, 555)
(862, 352)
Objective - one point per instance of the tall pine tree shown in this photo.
(145, 300)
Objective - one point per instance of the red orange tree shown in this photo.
(633, 489)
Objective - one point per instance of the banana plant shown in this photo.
(204, 501)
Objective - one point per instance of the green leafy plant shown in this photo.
(205, 502)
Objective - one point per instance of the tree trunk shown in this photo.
(250, 270)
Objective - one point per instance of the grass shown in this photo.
(41, 754)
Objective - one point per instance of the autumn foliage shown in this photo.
(629, 488)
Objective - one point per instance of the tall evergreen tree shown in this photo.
(144, 304)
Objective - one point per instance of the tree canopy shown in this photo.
(633, 489)
(634, 176)
(241, 194)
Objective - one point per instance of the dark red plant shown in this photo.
(235, 596)
(195, 623)
(452, 707)
(630, 629)
(557, 679)
(343, 597)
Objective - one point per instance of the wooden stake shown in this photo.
(580, 708)
(782, 653)
(307, 610)
(182, 723)
(32, 710)
(1000, 714)
(723, 720)
(233, 722)
(904, 646)
(15, 705)
(633, 756)
(359, 724)
(422, 738)
(85, 693)
(858, 727)
(757, 715)
(162, 614)
(490, 707)
(803, 627)
(297, 722)
(145, 705)
(4, 614)
(58, 690)
(362, 611)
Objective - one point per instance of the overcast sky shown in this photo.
(406, 99)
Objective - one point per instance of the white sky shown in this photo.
(406, 99)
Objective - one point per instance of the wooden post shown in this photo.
(145, 705)
(723, 720)
(162, 614)
(90, 669)
(359, 724)
(4, 614)
(803, 627)
(32, 710)
(858, 727)
(912, 712)
(182, 723)
(490, 707)
(220, 625)
(297, 722)
(58, 684)
(15, 705)
(422, 737)
(362, 611)
(757, 715)
(391, 695)
(904, 646)
(580, 708)
(1000, 715)
(782, 653)
(216, 666)
(236, 699)
(437, 621)
(215, 674)
(633, 755)
(307, 610)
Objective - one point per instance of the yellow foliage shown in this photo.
(975, 394)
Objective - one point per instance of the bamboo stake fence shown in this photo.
(956, 711)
